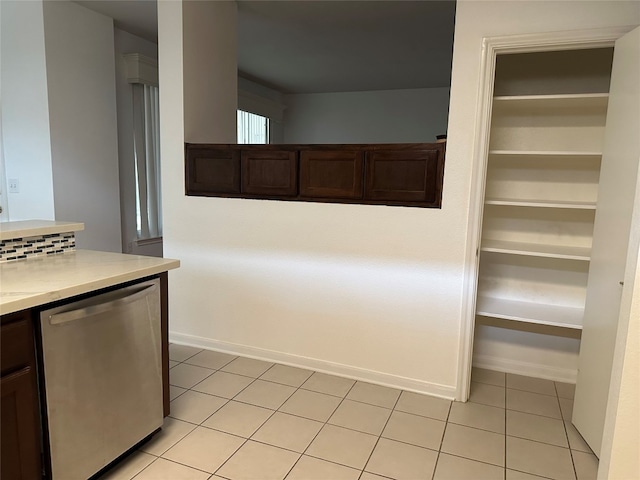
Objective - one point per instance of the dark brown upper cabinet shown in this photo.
(272, 173)
(331, 174)
(402, 176)
(212, 171)
(376, 174)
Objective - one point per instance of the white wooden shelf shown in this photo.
(529, 312)
(541, 203)
(544, 153)
(536, 250)
(541, 190)
(585, 100)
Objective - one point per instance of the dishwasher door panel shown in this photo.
(103, 377)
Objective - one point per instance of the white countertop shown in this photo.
(31, 228)
(40, 280)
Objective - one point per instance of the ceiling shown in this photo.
(139, 17)
(326, 46)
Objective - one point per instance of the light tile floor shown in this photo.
(240, 419)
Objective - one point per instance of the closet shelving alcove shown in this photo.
(541, 191)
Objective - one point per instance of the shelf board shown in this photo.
(557, 96)
(529, 312)
(586, 100)
(543, 153)
(541, 203)
(536, 250)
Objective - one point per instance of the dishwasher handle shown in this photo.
(88, 311)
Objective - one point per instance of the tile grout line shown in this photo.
(284, 413)
(231, 456)
(210, 368)
(321, 428)
(505, 426)
(185, 465)
(566, 434)
(446, 423)
(197, 383)
(173, 444)
(151, 463)
(395, 404)
(470, 426)
(172, 461)
(246, 440)
(539, 442)
(528, 473)
(534, 414)
(187, 358)
(213, 413)
(484, 462)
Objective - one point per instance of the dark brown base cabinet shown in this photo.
(22, 428)
(377, 174)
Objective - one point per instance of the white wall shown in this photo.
(373, 292)
(170, 72)
(126, 42)
(383, 116)
(261, 100)
(82, 114)
(263, 91)
(353, 289)
(210, 92)
(25, 110)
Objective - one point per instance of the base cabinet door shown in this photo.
(20, 442)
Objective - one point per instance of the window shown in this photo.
(146, 130)
(252, 128)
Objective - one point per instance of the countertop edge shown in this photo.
(35, 299)
(30, 228)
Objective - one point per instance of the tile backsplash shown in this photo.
(37, 246)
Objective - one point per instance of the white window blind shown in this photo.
(146, 129)
(252, 128)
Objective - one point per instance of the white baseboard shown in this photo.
(506, 365)
(324, 366)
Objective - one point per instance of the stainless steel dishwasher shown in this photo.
(103, 377)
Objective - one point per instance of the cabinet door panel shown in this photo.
(271, 173)
(20, 443)
(331, 174)
(402, 175)
(213, 171)
(16, 345)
